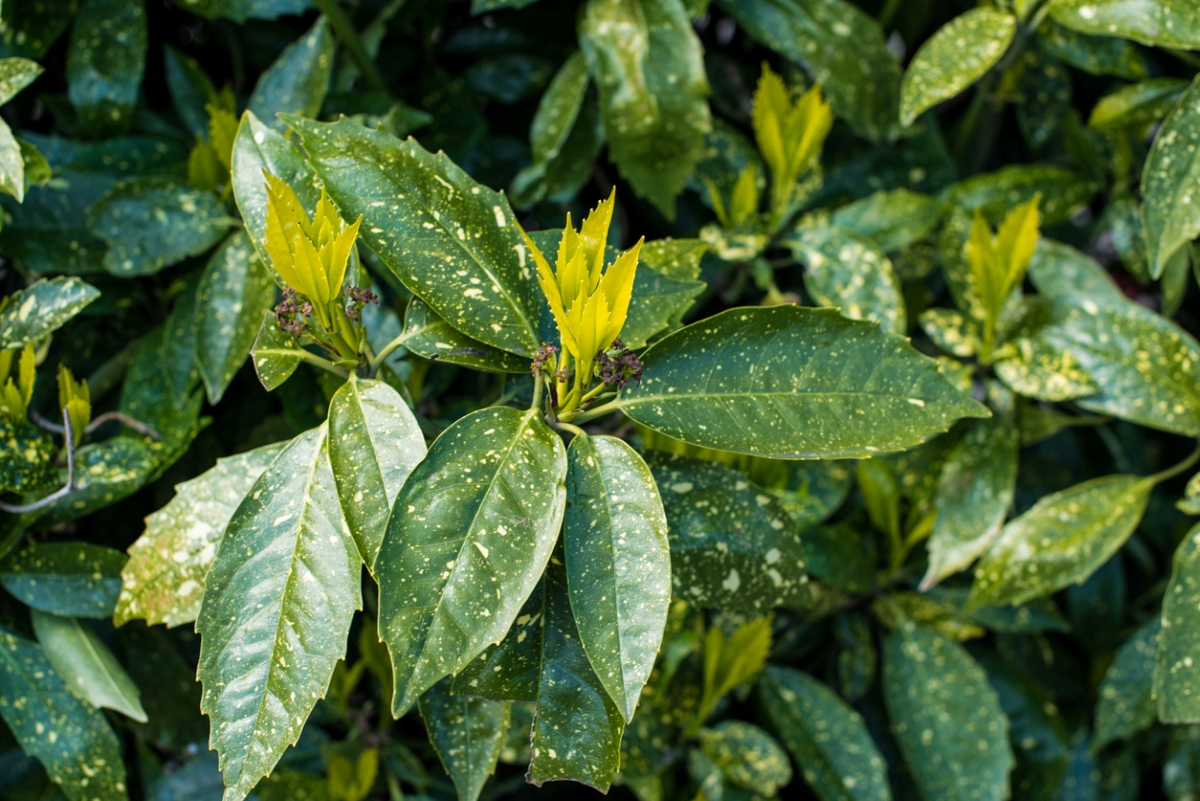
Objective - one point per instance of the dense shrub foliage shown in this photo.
(719, 401)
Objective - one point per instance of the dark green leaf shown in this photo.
(1165, 23)
(466, 733)
(657, 306)
(29, 29)
(179, 345)
(946, 717)
(1137, 104)
(1061, 540)
(191, 90)
(454, 243)
(296, 83)
(72, 740)
(1126, 705)
(826, 737)
(1172, 169)
(1064, 192)
(509, 671)
(242, 10)
(747, 756)
(84, 662)
(105, 62)
(374, 444)
(1177, 666)
(1099, 55)
(277, 608)
(777, 382)
(618, 563)
(105, 472)
(471, 531)
(29, 314)
(842, 554)
(275, 353)
(234, 290)
(75, 579)
(849, 272)
(429, 336)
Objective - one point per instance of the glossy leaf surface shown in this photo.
(297, 81)
(90, 670)
(105, 63)
(1152, 22)
(73, 579)
(1169, 213)
(31, 313)
(1177, 666)
(467, 734)
(848, 272)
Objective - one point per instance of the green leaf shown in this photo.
(975, 490)
(1062, 540)
(1171, 172)
(15, 75)
(647, 62)
(275, 353)
(674, 258)
(618, 563)
(826, 737)
(277, 608)
(732, 544)
(256, 148)
(29, 29)
(510, 670)
(191, 90)
(849, 272)
(242, 10)
(235, 289)
(430, 337)
(151, 223)
(84, 662)
(1177, 666)
(1137, 104)
(374, 444)
(1064, 192)
(74, 579)
(658, 304)
(297, 81)
(163, 581)
(472, 530)
(843, 48)
(1189, 504)
(946, 718)
(747, 756)
(842, 554)
(466, 733)
(1126, 703)
(31, 313)
(71, 739)
(956, 56)
(577, 729)
(178, 346)
(1063, 273)
(105, 472)
(1162, 23)
(782, 382)
(12, 165)
(105, 62)
(453, 242)
(1099, 55)
(892, 220)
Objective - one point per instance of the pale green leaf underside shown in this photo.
(430, 337)
(275, 353)
(90, 670)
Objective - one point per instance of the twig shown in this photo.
(98, 421)
(69, 437)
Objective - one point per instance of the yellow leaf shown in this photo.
(553, 295)
(27, 374)
(771, 108)
(593, 236)
(339, 255)
(314, 282)
(204, 167)
(1015, 243)
(981, 259)
(76, 398)
(617, 288)
(222, 130)
(283, 225)
(593, 322)
(809, 125)
(6, 358)
(10, 399)
(744, 202)
(718, 205)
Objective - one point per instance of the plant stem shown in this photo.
(576, 430)
(388, 350)
(608, 408)
(889, 11)
(324, 364)
(346, 32)
(1171, 472)
(537, 392)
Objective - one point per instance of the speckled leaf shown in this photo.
(256, 148)
(975, 490)
(29, 29)
(277, 607)
(648, 65)
(1061, 540)
(747, 756)
(1062, 273)
(453, 242)
(469, 535)
(1189, 504)
(1126, 703)
(105, 62)
(90, 670)
(12, 165)
(793, 383)
(1165, 23)
(994, 194)
(275, 353)
(618, 563)
(1177, 666)
(958, 54)
(577, 728)
(374, 444)
(847, 271)
(147, 396)
(76, 579)
(732, 544)
(72, 740)
(946, 717)
(657, 306)
(178, 345)
(235, 289)
(297, 81)
(242, 10)
(163, 581)
(1137, 104)
(1099, 55)
(826, 737)
(892, 220)
(105, 472)
(31, 313)
(151, 224)
(15, 75)
(466, 733)
(844, 49)
(509, 671)
(1171, 212)
(191, 90)
(429, 336)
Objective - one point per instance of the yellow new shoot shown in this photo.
(997, 264)
(76, 398)
(15, 397)
(789, 135)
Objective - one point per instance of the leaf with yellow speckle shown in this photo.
(374, 444)
(1171, 211)
(430, 337)
(1062, 540)
(577, 728)
(994, 194)
(509, 670)
(618, 563)
(163, 581)
(1137, 104)
(469, 535)
(1126, 704)
(892, 220)
(466, 733)
(297, 81)
(849, 272)
(41, 308)
(105, 472)
(1163, 23)
(105, 63)
(958, 54)
(794, 384)
(275, 353)
(76, 579)
(1177, 666)
(732, 545)
(71, 739)
(945, 717)
(276, 613)
(747, 756)
(827, 738)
